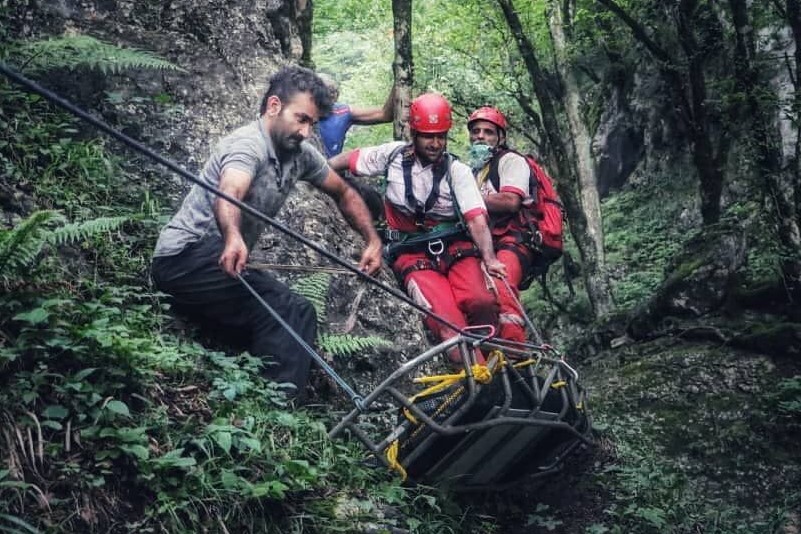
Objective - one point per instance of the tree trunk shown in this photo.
(596, 282)
(687, 84)
(582, 142)
(304, 14)
(794, 20)
(763, 130)
(706, 161)
(402, 67)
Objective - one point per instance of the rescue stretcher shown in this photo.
(484, 427)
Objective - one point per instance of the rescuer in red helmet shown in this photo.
(437, 224)
(503, 176)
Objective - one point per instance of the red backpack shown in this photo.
(543, 216)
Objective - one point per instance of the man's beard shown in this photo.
(290, 145)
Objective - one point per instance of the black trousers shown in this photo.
(201, 289)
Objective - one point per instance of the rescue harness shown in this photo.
(432, 239)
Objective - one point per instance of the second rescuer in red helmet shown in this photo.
(438, 233)
(493, 163)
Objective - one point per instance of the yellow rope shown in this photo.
(410, 416)
(392, 460)
(481, 373)
(526, 363)
(559, 384)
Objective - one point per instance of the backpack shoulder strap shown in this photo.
(449, 159)
(439, 171)
(494, 175)
(392, 155)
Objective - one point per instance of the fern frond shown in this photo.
(19, 246)
(315, 288)
(346, 344)
(78, 51)
(13, 522)
(74, 232)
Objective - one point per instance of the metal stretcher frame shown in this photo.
(500, 448)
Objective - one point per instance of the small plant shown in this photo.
(542, 518)
(21, 245)
(315, 288)
(788, 396)
(347, 345)
(83, 51)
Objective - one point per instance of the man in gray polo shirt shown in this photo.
(206, 244)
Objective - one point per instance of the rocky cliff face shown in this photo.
(225, 48)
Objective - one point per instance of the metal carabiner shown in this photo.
(438, 244)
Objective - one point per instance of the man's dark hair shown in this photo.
(293, 79)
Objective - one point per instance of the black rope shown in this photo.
(357, 399)
(139, 147)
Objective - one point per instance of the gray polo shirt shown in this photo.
(248, 149)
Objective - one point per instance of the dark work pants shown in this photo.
(202, 290)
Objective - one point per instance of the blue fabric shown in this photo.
(334, 127)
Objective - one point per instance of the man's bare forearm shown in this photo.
(234, 183)
(229, 218)
(340, 162)
(482, 237)
(502, 203)
(357, 214)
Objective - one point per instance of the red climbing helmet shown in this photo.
(430, 113)
(488, 114)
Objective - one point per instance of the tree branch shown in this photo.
(638, 30)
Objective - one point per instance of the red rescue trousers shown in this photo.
(512, 324)
(455, 290)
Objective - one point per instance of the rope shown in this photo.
(482, 175)
(392, 460)
(481, 373)
(357, 399)
(526, 363)
(522, 310)
(304, 268)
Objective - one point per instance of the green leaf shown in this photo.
(118, 407)
(55, 425)
(223, 439)
(55, 411)
(273, 489)
(83, 374)
(33, 317)
(252, 443)
(229, 479)
(14, 520)
(140, 451)
(174, 459)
